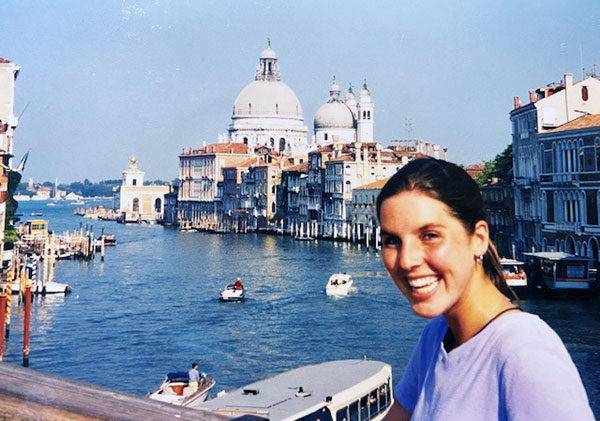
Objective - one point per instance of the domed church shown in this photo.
(268, 113)
(344, 121)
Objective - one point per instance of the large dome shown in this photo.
(334, 115)
(267, 98)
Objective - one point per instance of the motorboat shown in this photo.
(175, 390)
(514, 273)
(233, 292)
(339, 284)
(109, 239)
(333, 390)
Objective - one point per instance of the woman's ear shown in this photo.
(481, 238)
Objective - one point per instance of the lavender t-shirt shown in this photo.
(517, 368)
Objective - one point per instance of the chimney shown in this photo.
(436, 151)
(568, 94)
(532, 96)
(427, 148)
(517, 102)
(568, 80)
(445, 154)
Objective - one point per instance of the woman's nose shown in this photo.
(410, 256)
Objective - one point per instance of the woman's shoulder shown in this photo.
(525, 334)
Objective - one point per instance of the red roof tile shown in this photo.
(376, 185)
(583, 122)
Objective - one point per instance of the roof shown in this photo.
(326, 148)
(231, 148)
(278, 397)
(3, 60)
(267, 98)
(556, 255)
(300, 167)
(583, 122)
(376, 185)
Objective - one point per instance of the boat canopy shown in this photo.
(177, 376)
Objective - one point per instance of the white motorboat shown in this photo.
(175, 390)
(514, 273)
(233, 292)
(334, 390)
(339, 284)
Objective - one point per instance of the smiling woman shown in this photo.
(480, 357)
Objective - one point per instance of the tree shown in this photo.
(500, 167)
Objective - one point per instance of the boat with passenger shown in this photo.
(233, 292)
(333, 390)
(176, 390)
(514, 273)
(339, 284)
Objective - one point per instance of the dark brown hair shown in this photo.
(451, 185)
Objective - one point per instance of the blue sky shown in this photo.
(107, 79)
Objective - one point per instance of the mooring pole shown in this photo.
(26, 325)
(3, 301)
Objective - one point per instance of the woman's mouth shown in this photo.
(423, 285)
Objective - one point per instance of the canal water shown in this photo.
(152, 307)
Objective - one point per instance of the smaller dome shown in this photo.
(350, 95)
(268, 53)
(334, 115)
(364, 92)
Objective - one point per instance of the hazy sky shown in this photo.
(105, 79)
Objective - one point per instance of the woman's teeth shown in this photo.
(423, 285)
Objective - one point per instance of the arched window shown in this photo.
(136, 205)
(273, 207)
(364, 113)
(272, 142)
(282, 144)
(348, 186)
(584, 93)
(276, 108)
(368, 115)
(134, 181)
(245, 141)
(158, 205)
(249, 108)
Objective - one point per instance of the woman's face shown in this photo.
(427, 251)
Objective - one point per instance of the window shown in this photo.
(276, 108)
(550, 206)
(354, 411)
(134, 182)
(591, 199)
(157, 205)
(136, 205)
(584, 93)
(325, 136)
(364, 407)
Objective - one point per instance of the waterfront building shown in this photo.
(363, 212)
(498, 199)
(170, 206)
(354, 165)
(344, 121)
(569, 163)
(549, 107)
(292, 203)
(8, 123)
(268, 113)
(138, 202)
(200, 171)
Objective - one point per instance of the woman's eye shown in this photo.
(390, 241)
(430, 236)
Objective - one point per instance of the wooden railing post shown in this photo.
(3, 300)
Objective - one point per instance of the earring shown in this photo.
(478, 259)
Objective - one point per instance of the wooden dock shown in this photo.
(27, 394)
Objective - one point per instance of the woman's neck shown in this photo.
(478, 305)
